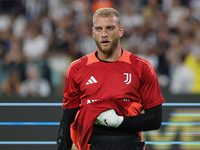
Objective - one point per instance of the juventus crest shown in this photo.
(128, 78)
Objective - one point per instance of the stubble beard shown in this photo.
(108, 50)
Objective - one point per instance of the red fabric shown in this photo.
(130, 77)
(143, 88)
(82, 127)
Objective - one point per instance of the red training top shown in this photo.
(89, 80)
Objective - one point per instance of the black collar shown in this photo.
(96, 54)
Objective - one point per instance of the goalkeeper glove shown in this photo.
(109, 118)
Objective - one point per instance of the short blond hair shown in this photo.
(106, 12)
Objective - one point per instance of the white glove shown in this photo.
(109, 118)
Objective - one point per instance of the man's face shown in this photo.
(106, 33)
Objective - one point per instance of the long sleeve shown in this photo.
(64, 141)
(150, 120)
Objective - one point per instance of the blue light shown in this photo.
(54, 142)
(173, 142)
(60, 104)
(181, 104)
(29, 123)
(27, 142)
(58, 123)
(181, 123)
(30, 104)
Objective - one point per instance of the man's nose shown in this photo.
(104, 33)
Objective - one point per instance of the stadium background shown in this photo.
(40, 38)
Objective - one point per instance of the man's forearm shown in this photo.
(150, 120)
(64, 141)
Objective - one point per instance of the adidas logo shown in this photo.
(91, 80)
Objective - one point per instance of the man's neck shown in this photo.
(109, 58)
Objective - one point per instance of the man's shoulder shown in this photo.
(84, 60)
(137, 61)
(76, 65)
(132, 58)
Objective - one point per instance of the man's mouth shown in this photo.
(105, 42)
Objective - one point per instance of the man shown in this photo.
(106, 92)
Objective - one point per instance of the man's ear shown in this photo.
(121, 31)
(93, 32)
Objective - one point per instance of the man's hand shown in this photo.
(109, 118)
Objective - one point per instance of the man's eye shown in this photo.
(110, 28)
(98, 29)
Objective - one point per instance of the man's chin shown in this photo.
(105, 50)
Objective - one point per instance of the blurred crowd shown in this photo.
(40, 38)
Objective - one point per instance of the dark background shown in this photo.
(53, 114)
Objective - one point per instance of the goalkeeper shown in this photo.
(107, 91)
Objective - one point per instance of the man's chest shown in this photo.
(108, 79)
